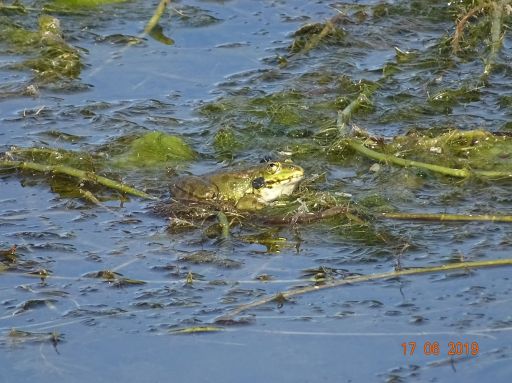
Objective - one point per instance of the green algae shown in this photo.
(291, 120)
(476, 149)
(225, 143)
(452, 97)
(211, 258)
(52, 58)
(84, 3)
(154, 149)
(50, 156)
(8, 256)
(18, 39)
(114, 278)
(310, 36)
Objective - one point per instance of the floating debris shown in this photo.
(196, 330)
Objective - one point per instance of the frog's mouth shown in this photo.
(269, 191)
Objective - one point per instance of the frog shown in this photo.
(250, 188)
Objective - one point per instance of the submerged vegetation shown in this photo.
(153, 149)
(306, 124)
(51, 58)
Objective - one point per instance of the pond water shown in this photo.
(221, 72)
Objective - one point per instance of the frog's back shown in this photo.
(193, 188)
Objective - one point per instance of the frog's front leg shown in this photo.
(249, 202)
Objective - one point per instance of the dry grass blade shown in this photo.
(285, 295)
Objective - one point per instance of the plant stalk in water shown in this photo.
(282, 296)
(461, 173)
(497, 9)
(160, 9)
(345, 115)
(77, 173)
(448, 217)
(224, 224)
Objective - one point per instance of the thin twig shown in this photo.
(77, 173)
(362, 278)
(459, 29)
(448, 217)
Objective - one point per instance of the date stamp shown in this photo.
(435, 348)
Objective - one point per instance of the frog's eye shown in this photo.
(258, 182)
(273, 167)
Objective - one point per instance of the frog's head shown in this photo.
(275, 179)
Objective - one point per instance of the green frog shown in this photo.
(248, 189)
